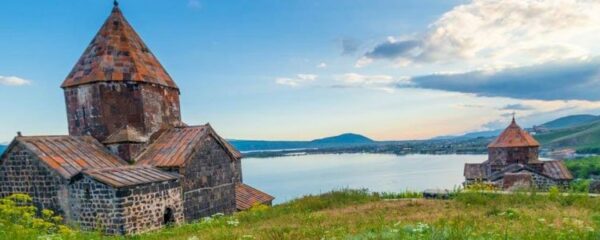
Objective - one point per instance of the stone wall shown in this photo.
(127, 151)
(96, 206)
(22, 172)
(500, 157)
(208, 181)
(103, 108)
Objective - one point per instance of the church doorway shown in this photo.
(168, 217)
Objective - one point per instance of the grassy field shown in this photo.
(357, 214)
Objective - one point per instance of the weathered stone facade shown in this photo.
(209, 179)
(513, 162)
(103, 108)
(22, 172)
(129, 164)
(100, 207)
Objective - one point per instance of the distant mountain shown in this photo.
(571, 121)
(344, 140)
(472, 135)
(585, 137)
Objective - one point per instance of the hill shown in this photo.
(571, 121)
(347, 139)
(584, 137)
(472, 135)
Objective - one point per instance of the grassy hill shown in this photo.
(583, 137)
(571, 121)
(356, 214)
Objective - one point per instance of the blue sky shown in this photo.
(270, 69)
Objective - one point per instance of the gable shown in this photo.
(175, 146)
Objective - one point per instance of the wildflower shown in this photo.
(248, 237)
(193, 238)
(541, 220)
(233, 222)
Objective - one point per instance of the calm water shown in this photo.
(294, 176)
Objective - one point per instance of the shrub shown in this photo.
(19, 219)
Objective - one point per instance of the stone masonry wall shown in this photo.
(144, 207)
(103, 108)
(96, 206)
(22, 172)
(502, 157)
(208, 182)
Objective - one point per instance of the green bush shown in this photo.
(19, 220)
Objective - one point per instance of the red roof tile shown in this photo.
(247, 197)
(175, 145)
(127, 176)
(117, 53)
(514, 136)
(69, 155)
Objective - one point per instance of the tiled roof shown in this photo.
(69, 155)
(126, 135)
(557, 170)
(174, 146)
(126, 176)
(552, 169)
(246, 197)
(117, 53)
(514, 136)
(474, 171)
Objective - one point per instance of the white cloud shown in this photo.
(13, 81)
(194, 4)
(322, 65)
(509, 32)
(379, 82)
(297, 81)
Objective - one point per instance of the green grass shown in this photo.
(358, 214)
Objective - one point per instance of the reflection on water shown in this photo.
(294, 176)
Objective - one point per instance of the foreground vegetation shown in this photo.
(358, 214)
(584, 168)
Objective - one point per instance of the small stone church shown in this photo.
(129, 164)
(513, 162)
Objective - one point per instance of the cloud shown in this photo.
(515, 32)
(13, 81)
(297, 81)
(579, 80)
(517, 107)
(194, 4)
(322, 65)
(349, 46)
(378, 82)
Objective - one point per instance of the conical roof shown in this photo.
(117, 53)
(514, 136)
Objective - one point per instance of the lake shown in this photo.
(290, 177)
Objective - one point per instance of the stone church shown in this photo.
(129, 163)
(513, 162)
